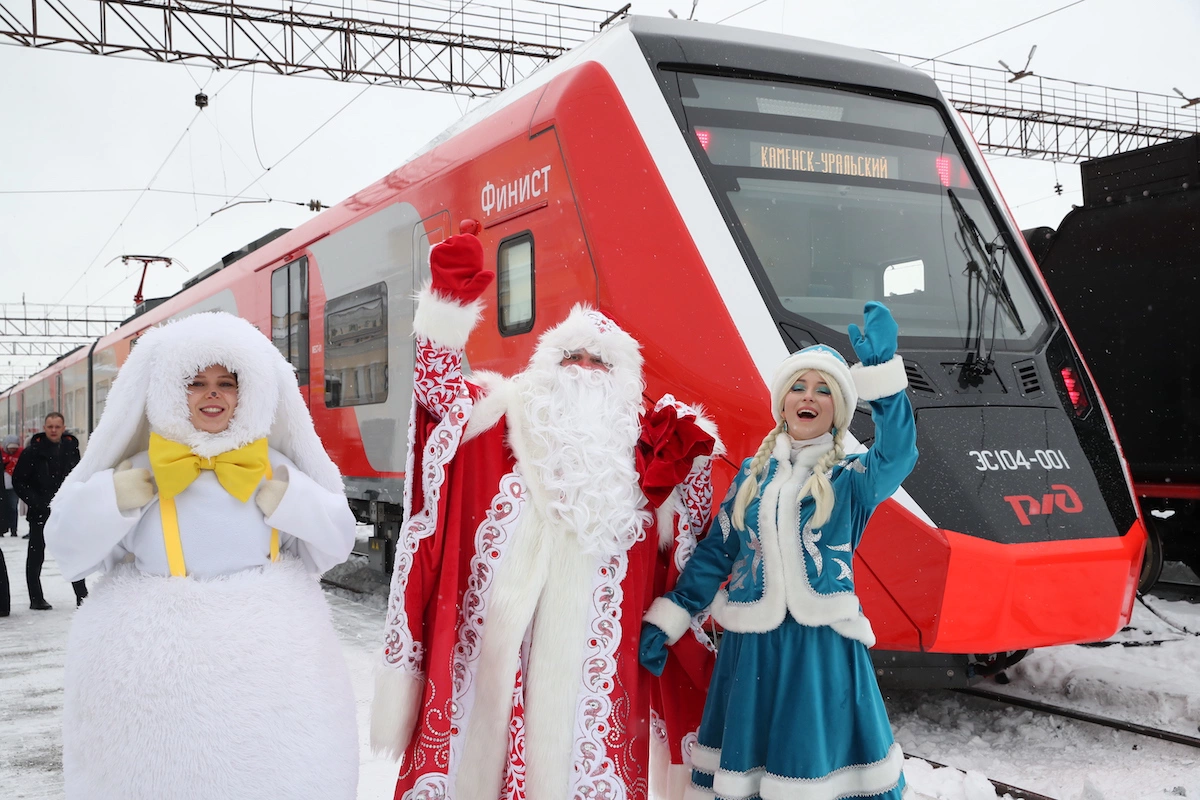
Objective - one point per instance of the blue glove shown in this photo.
(877, 343)
(652, 649)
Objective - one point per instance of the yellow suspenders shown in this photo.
(174, 545)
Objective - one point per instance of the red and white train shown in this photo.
(728, 196)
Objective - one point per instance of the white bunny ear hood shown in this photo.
(150, 394)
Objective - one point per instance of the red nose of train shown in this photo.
(932, 590)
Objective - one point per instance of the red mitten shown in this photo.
(456, 266)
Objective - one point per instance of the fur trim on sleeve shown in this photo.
(881, 380)
(491, 405)
(444, 321)
(709, 426)
(394, 710)
(674, 620)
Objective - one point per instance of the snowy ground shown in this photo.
(1153, 685)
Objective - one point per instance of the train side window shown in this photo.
(514, 284)
(356, 348)
(289, 315)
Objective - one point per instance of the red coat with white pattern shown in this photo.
(465, 591)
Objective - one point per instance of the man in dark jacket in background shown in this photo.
(40, 471)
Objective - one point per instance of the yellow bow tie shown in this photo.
(175, 466)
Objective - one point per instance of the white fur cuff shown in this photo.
(444, 321)
(674, 620)
(394, 709)
(709, 426)
(881, 380)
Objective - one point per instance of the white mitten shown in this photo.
(270, 495)
(134, 488)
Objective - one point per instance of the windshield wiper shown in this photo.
(984, 269)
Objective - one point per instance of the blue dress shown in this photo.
(793, 710)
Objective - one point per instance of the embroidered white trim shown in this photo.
(784, 563)
(672, 619)
(692, 510)
(431, 786)
(687, 746)
(768, 612)
(594, 773)
(658, 727)
(850, 781)
(400, 648)
(881, 380)
(493, 540)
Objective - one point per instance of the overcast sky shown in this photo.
(74, 122)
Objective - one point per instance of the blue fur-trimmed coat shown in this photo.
(793, 710)
(806, 572)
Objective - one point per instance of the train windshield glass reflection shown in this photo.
(843, 198)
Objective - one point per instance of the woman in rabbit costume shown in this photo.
(204, 664)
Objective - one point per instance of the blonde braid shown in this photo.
(819, 485)
(749, 487)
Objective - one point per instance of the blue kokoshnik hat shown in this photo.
(821, 357)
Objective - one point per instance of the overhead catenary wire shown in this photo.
(282, 158)
(149, 184)
(152, 190)
(743, 11)
(998, 33)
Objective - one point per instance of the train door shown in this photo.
(432, 230)
(366, 273)
(289, 319)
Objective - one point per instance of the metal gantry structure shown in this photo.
(59, 322)
(1031, 116)
(470, 46)
(38, 330)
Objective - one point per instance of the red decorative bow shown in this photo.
(666, 448)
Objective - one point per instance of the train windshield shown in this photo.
(843, 197)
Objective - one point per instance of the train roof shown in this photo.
(704, 44)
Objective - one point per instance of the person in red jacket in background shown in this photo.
(9, 453)
(8, 507)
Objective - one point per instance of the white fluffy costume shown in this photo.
(228, 682)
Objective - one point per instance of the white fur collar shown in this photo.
(800, 454)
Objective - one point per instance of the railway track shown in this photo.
(1083, 716)
(1015, 792)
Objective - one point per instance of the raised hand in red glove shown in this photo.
(456, 266)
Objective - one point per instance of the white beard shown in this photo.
(581, 427)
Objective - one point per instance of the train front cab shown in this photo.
(1017, 528)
